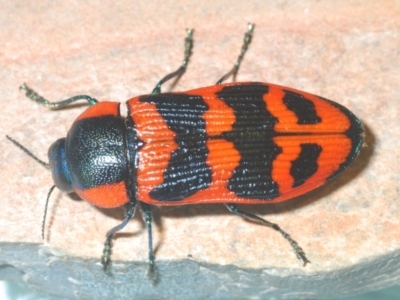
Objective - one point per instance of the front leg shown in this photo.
(130, 209)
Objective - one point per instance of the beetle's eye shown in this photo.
(59, 167)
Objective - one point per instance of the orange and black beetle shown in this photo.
(234, 143)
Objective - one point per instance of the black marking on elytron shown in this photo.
(355, 133)
(305, 165)
(95, 152)
(187, 171)
(252, 135)
(303, 108)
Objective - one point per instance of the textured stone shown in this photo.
(113, 51)
(76, 278)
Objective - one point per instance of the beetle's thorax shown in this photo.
(95, 159)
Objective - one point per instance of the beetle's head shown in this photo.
(59, 167)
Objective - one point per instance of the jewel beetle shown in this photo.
(232, 143)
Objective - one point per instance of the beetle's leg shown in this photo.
(182, 68)
(145, 210)
(297, 249)
(245, 46)
(31, 94)
(130, 209)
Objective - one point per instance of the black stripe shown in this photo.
(252, 135)
(305, 165)
(187, 171)
(303, 108)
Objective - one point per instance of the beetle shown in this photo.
(230, 143)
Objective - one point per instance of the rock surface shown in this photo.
(113, 51)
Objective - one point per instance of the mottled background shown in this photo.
(347, 51)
